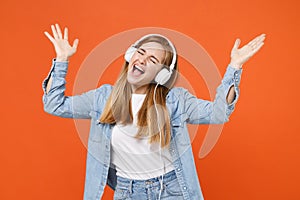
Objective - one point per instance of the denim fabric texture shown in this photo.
(183, 108)
(127, 189)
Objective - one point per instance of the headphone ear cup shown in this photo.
(129, 53)
(163, 76)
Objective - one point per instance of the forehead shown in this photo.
(155, 49)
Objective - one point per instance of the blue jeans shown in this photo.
(128, 189)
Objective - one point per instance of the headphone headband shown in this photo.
(172, 65)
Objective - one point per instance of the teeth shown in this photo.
(138, 68)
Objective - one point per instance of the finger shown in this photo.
(257, 48)
(257, 43)
(66, 37)
(237, 43)
(49, 36)
(263, 35)
(75, 43)
(54, 32)
(58, 31)
(257, 39)
(252, 42)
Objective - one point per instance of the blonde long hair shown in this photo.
(118, 106)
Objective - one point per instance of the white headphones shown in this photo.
(163, 75)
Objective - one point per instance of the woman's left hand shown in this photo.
(240, 56)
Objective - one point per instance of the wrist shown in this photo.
(235, 65)
(61, 59)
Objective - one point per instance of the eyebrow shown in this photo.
(151, 55)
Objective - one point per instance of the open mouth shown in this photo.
(137, 69)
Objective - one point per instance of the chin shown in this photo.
(131, 81)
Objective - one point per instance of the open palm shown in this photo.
(61, 44)
(240, 56)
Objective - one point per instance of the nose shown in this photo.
(142, 59)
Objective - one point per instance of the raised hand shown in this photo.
(240, 56)
(61, 44)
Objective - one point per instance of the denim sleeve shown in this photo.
(199, 111)
(56, 103)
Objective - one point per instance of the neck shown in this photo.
(139, 90)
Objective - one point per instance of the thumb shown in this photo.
(237, 43)
(75, 43)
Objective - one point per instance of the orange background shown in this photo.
(257, 155)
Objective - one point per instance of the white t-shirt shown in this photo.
(136, 158)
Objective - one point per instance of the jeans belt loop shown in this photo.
(130, 187)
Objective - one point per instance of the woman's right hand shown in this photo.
(61, 44)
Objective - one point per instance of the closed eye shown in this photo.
(154, 60)
(140, 52)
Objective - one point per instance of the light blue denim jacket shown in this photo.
(183, 108)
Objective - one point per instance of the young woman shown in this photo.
(139, 143)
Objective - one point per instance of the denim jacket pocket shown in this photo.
(177, 122)
(179, 131)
